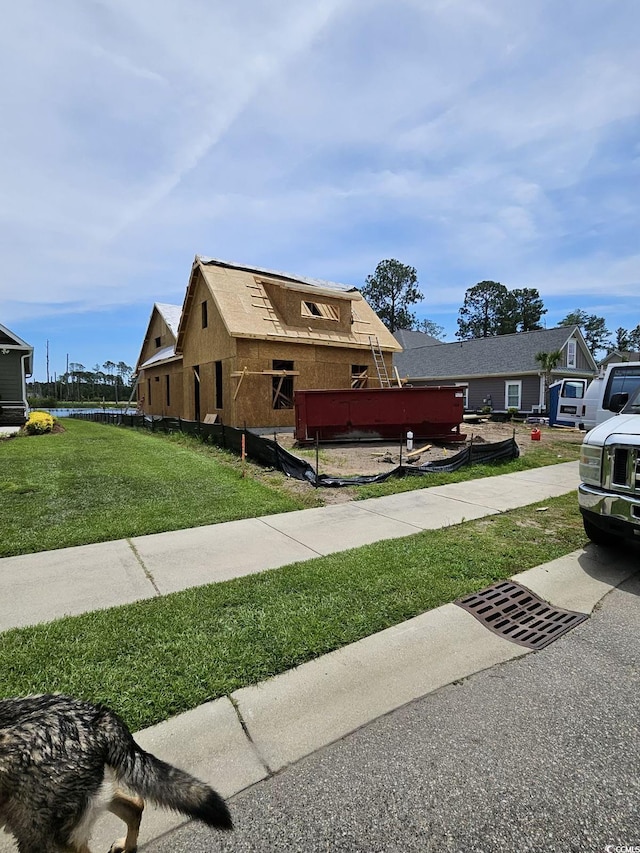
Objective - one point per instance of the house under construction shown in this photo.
(245, 339)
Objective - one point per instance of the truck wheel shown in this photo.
(597, 535)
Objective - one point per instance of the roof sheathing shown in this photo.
(171, 316)
(283, 276)
(241, 297)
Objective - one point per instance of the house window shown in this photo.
(465, 395)
(218, 367)
(205, 315)
(319, 310)
(168, 389)
(282, 386)
(359, 375)
(513, 395)
(571, 353)
(149, 392)
(158, 342)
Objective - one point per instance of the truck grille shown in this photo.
(620, 462)
(624, 469)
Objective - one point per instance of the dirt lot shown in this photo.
(377, 457)
(349, 459)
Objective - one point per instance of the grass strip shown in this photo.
(94, 483)
(156, 658)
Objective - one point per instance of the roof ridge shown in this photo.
(314, 282)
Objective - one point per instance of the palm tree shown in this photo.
(548, 362)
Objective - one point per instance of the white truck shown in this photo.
(609, 490)
(596, 405)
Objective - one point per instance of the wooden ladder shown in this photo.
(378, 360)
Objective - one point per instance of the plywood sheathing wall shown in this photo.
(253, 321)
(156, 403)
(154, 377)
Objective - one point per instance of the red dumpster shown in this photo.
(379, 413)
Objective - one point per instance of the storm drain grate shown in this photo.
(515, 613)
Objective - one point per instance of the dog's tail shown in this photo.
(162, 783)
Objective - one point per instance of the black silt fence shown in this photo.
(269, 453)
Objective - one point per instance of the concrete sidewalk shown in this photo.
(46, 586)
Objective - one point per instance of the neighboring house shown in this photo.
(249, 337)
(16, 363)
(408, 339)
(501, 371)
(618, 356)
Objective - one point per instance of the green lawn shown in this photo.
(156, 658)
(94, 482)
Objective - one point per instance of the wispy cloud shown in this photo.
(471, 138)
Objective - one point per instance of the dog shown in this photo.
(61, 763)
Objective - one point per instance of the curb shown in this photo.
(239, 740)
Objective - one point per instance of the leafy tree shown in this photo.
(621, 342)
(528, 308)
(592, 327)
(634, 339)
(485, 312)
(430, 328)
(490, 309)
(390, 291)
(548, 362)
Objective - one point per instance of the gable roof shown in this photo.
(10, 339)
(171, 316)
(620, 355)
(410, 339)
(494, 356)
(244, 299)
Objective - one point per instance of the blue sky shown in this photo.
(471, 139)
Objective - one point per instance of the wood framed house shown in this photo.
(500, 372)
(249, 337)
(159, 368)
(16, 364)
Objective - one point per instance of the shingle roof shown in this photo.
(409, 339)
(494, 356)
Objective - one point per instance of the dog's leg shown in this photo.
(129, 809)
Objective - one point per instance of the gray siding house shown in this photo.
(617, 356)
(16, 363)
(500, 372)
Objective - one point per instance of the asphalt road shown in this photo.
(539, 754)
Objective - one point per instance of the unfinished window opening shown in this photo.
(196, 390)
(218, 369)
(158, 342)
(149, 392)
(359, 375)
(167, 387)
(205, 315)
(282, 385)
(320, 310)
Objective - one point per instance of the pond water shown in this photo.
(64, 413)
